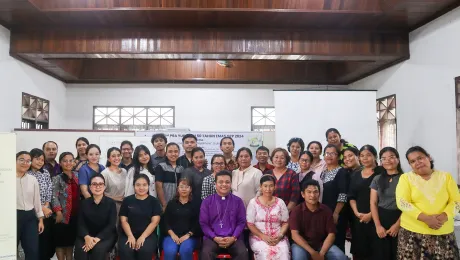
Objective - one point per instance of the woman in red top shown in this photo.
(287, 181)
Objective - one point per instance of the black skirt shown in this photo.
(362, 235)
(386, 248)
(65, 234)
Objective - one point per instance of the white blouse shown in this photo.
(28, 194)
(246, 183)
(129, 190)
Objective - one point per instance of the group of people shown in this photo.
(299, 206)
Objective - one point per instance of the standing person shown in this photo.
(335, 183)
(227, 146)
(429, 200)
(159, 142)
(196, 172)
(317, 165)
(139, 217)
(385, 212)
(223, 218)
(245, 179)
(127, 149)
(167, 174)
(28, 208)
(96, 223)
(142, 165)
(46, 248)
(50, 149)
(334, 137)
(268, 233)
(295, 146)
(182, 224)
(189, 142)
(66, 203)
(313, 228)
(362, 228)
(114, 177)
(287, 181)
(351, 160)
(262, 154)
(209, 182)
(306, 173)
(93, 152)
(81, 158)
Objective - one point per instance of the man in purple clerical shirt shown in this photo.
(222, 219)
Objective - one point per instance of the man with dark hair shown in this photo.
(222, 219)
(127, 149)
(227, 146)
(262, 154)
(312, 227)
(189, 141)
(50, 149)
(159, 142)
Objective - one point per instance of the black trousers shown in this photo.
(341, 233)
(27, 233)
(386, 248)
(45, 240)
(99, 251)
(144, 253)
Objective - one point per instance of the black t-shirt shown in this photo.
(140, 213)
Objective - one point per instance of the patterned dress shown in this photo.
(268, 220)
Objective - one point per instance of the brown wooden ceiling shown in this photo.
(266, 41)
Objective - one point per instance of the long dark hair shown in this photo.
(370, 149)
(137, 164)
(36, 153)
(309, 174)
(76, 144)
(107, 164)
(385, 177)
(195, 150)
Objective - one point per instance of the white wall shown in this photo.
(17, 77)
(425, 91)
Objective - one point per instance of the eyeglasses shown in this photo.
(384, 159)
(184, 187)
(23, 161)
(67, 161)
(330, 154)
(97, 184)
(127, 150)
(418, 159)
(219, 163)
(304, 160)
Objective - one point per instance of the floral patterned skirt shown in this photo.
(415, 246)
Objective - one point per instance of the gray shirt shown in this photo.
(387, 198)
(196, 178)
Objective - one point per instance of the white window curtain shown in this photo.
(387, 133)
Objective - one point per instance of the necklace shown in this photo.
(218, 214)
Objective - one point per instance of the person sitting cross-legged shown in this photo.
(222, 219)
(312, 227)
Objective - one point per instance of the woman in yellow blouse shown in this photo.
(429, 200)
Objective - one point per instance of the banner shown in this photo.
(8, 247)
(209, 141)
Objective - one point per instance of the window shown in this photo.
(386, 121)
(263, 119)
(133, 118)
(35, 112)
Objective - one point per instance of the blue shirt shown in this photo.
(85, 173)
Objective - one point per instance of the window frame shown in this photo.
(36, 122)
(252, 116)
(379, 121)
(147, 116)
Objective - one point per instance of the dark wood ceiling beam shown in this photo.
(111, 71)
(321, 45)
(345, 5)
